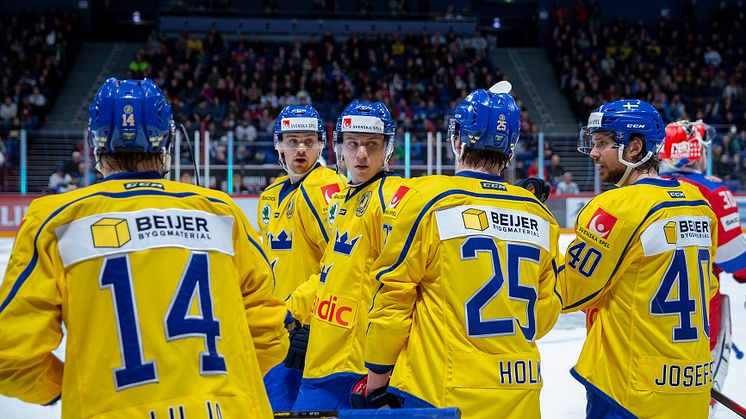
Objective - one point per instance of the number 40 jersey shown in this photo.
(641, 267)
(166, 297)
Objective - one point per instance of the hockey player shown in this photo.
(640, 265)
(291, 218)
(163, 288)
(338, 299)
(467, 276)
(684, 157)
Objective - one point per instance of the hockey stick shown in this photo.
(730, 404)
(311, 414)
(738, 352)
(191, 153)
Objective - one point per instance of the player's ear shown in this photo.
(635, 148)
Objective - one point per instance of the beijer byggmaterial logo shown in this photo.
(110, 232)
(669, 230)
(475, 219)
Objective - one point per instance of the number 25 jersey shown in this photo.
(467, 286)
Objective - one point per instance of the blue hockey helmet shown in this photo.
(299, 118)
(625, 118)
(368, 118)
(130, 116)
(486, 120)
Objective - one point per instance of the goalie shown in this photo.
(684, 157)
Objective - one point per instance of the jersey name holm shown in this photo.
(172, 225)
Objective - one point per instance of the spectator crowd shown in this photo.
(36, 52)
(241, 84)
(691, 66)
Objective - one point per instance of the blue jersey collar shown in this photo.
(288, 186)
(666, 183)
(480, 175)
(133, 175)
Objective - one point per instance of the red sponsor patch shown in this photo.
(347, 122)
(286, 123)
(601, 223)
(329, 191)
(400, 193)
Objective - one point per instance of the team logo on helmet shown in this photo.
(347, 122)
(502, 124)
(285, 123)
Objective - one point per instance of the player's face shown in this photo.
(364, 155)
(301, 150)
(605, 154)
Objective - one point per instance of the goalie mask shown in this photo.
(686, 144)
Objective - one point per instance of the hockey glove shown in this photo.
(379, 398)
(536, 186)
(296, 357)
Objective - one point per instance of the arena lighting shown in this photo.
(136, 17)
(496, 23)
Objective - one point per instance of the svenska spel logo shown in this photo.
(396, 199)
(601, 223)
(328, 191)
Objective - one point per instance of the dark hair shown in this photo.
(490, 161)
(651, 165)
(134, 162)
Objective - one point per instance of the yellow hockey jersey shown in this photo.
(292, 222)
(339, 298)
(166, 296)
(641, 266)
(467, 286)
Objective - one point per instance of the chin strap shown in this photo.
(630, 166)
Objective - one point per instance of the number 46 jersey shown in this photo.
(467, 278)
(641, 267)
(166, 297)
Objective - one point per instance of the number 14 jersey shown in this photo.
(166, 297)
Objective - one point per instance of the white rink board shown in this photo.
(562, 397)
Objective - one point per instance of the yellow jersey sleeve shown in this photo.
(264, 313)
(391, 316)
(31, 325)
